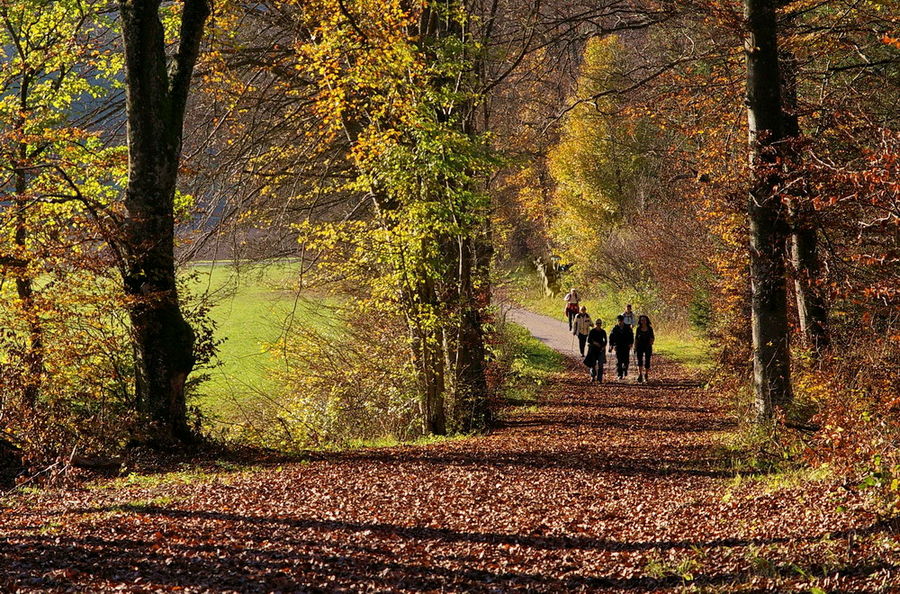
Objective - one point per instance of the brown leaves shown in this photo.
(608, 488)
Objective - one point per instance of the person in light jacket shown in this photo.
(581, 327)
(628, 316)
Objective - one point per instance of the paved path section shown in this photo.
(552, 332)
(618, 487)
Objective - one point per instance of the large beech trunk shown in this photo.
(768, 225)
(470, 293)
(812, 306)
(474, 294)
(156, 100)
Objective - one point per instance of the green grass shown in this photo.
(140, 505)
(187, 474)
(391, 441)
(685, 348)
(531, 366)
(253, 305)
(537, 359)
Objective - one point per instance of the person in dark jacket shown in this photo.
(621, 338)
(643, 347)
(596, 354)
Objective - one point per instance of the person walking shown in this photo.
(643, 347)
(628, 315)
(572, 300)
(621, 338)
(596, 352)
(581, 327)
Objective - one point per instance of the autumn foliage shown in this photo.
(402, 154)
(647, 181)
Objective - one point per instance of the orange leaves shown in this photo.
(890, 40)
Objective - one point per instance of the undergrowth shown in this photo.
(521, 368)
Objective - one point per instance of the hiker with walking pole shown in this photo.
(571, 300)
(621, 338)
(596, 354)
(581, 327)
(643, 347)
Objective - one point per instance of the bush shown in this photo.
(700, 310)
(520, 366)
(859, 411)
(80, 403)
(346, 381)
(80, 399)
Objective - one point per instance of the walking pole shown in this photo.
(608, 363)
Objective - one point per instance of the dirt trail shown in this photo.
(615, 487)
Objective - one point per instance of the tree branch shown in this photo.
(193, 20)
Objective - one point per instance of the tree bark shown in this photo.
(471, 292)
(812, 306)
(471, 381)
(427, 343)
(34, 356)
(428, 352)
(768, 226)
(156, 100)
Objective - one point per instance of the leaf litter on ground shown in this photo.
(604, 488)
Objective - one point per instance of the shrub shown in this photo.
(348, 379)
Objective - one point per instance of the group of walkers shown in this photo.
(626, 335)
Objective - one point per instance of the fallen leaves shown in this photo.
(606, 488)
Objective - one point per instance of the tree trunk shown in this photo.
(471, 381)
(768, 227)
(34, 356)
(471, 292)
(427, 342)
(156, 100)
(427, 345)
(812, 307)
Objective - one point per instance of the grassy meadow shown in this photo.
(252, 306)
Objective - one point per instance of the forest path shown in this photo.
(606, 487)
(550, 331)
